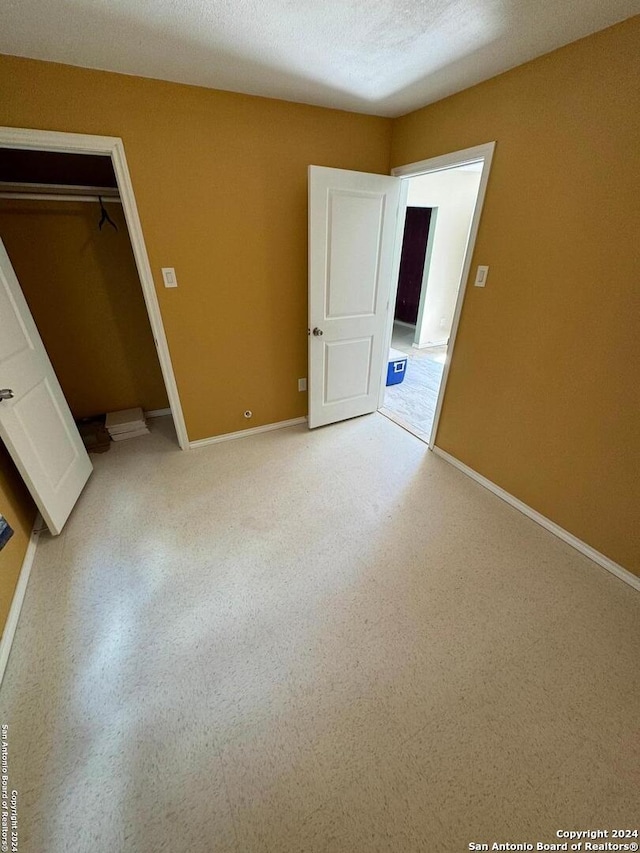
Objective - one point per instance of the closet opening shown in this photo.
(64, 230)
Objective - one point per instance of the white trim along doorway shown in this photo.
(479, 154)
(76, 143)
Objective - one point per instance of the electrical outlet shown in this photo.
(302, 384)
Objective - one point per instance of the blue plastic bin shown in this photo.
(397, 367)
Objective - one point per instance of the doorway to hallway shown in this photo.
(412, 403)
(356, 224)
(440, 207)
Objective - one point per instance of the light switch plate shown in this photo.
(302, 384)
(481, 276)
(169, 277)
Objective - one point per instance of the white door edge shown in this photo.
(482, 152)
(78, 143)
(395, 272)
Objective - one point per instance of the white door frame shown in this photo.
(423, 167)
(78, 143)
(422, 304)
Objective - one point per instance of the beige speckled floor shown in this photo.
(412, 403)
(327, 641)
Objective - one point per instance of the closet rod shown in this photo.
(57, 192)
(60, 197)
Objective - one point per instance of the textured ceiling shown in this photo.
(376, 56)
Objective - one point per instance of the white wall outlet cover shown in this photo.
(169, 277)
(481, 276)
(302, 384)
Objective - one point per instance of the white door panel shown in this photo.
(36, 424)
(352, 230)
(347, 365)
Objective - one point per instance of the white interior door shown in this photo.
(352, 231)
(36, 424)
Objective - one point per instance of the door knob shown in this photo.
(317, 332)
(7, 393)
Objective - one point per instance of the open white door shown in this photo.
(36, 424)
(352, 231)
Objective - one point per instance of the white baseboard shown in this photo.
(18, 596)
(606, 563)
(245, 433)
(157, 413)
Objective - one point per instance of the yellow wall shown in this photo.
(84, 293)
(221, 185)
(19, 510)
(543, 396)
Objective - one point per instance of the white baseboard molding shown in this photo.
(602, 560)
(157, 413)
(18, 596)
(245, 433)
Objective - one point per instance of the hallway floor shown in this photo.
(314, 641)
(412, 403)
